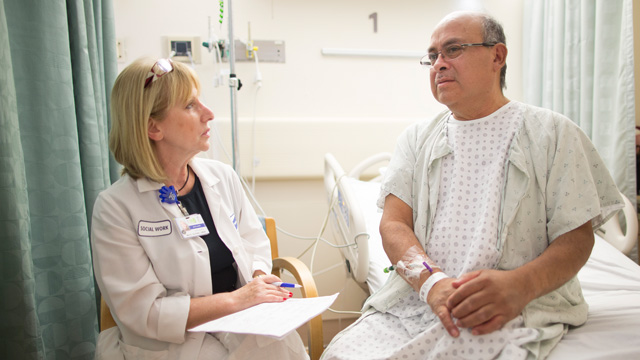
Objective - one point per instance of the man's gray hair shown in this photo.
(494, 33)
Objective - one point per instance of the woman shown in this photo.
(175, 241)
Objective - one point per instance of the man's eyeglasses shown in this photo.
(450, 51)
(160, 68)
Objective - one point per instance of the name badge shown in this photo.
(191, 226)
(154, 228)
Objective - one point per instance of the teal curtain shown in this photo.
(578, 60)
(57, 66)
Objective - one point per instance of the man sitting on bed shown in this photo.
(488, 214)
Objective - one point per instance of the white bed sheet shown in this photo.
(610, 283)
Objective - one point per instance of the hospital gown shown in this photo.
(479, 172)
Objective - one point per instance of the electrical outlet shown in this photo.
(120, 50)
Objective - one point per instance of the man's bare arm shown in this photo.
(396, 230)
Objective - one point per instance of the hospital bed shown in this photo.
(610, 280)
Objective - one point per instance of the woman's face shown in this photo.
(184, 131)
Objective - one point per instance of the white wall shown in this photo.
(313, 104)
(309, 86)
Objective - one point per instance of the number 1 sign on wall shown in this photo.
(374, 17)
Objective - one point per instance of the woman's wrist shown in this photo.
(258, 273)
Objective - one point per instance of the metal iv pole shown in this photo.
(234, 86)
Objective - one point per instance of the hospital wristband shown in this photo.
(432, 280)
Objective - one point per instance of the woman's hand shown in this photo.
(259, 290)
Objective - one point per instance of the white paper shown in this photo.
(271, 319)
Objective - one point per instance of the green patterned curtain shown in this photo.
(57, 66)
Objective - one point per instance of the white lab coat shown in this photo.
(148, 273)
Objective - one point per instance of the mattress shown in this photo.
(611, 286)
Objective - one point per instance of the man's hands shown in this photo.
(485, 300)
(482, 300)
(437, 300)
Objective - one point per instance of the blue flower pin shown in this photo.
(169, 195)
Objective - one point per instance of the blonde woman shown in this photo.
(175, 241)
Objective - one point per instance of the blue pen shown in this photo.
(284, 284)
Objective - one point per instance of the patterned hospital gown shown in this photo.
(463, 239)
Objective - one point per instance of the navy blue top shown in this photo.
(224, 275)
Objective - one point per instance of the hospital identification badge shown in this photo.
(191, 226)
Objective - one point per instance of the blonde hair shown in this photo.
(132, 107)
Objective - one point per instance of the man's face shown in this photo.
(469, 78)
